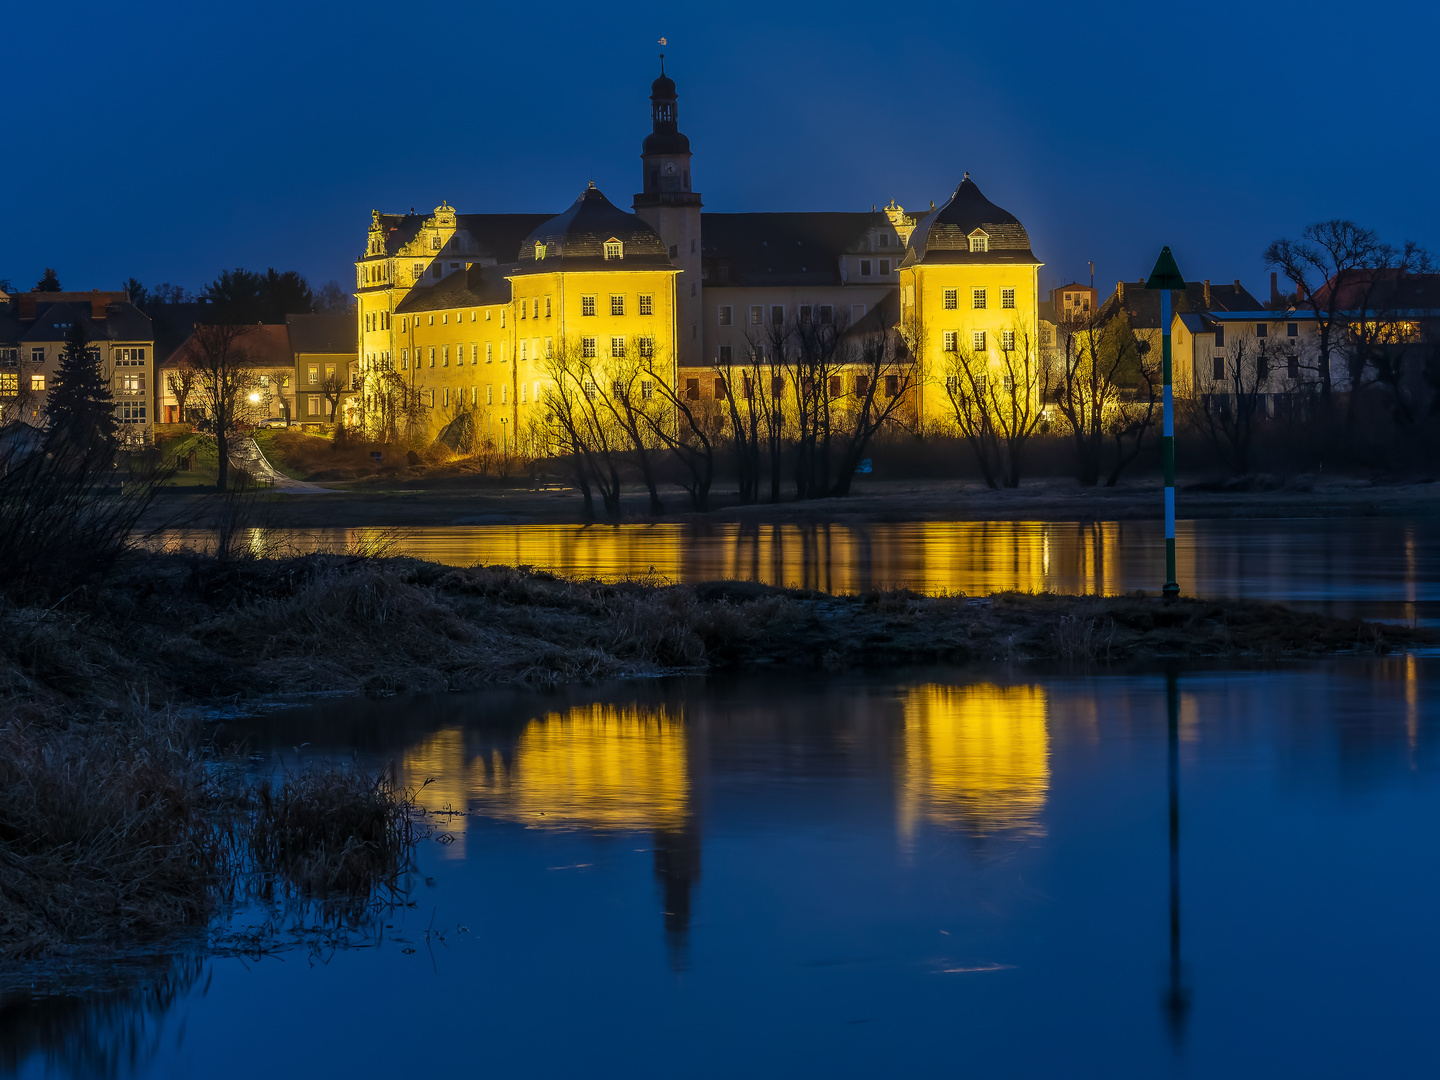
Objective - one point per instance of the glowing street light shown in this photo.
(254, 399)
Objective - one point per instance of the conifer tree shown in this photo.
(50, 282)
(80, 408)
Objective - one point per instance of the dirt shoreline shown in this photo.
(452, 501)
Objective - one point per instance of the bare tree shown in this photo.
(967, 388)
(1103, 387)
(690, 437)
(1017, 398)
(1228, 419)
(818, 391)
(585, 425)
(226, 384)
(333, 388)
(17, 390)
(884, 376)
(635, 408)
(736, 385)
(181, 381)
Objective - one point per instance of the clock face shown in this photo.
(669, 168)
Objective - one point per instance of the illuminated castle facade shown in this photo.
(468, 310)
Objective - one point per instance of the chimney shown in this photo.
(1237, 286)
(1207, 294)
(1275, 296)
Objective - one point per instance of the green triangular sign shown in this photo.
(1166, 274)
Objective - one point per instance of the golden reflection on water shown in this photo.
(596, 766)
(974, 557)
(975, 758)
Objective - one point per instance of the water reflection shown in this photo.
(1382, 567)
(976, 758)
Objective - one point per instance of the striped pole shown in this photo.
(1165, 277)
(1167, 447)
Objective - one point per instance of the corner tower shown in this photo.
(669, 206)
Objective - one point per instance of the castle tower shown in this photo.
(671, 208)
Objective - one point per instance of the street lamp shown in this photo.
(1166, 277)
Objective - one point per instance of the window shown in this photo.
(977, 340)
(837, 386)
(1008, 383)
(647, 304)
(587, 305)
(719, 389)
(757, 315)
(977, 299)
(418, 270)
(804, 314)
(777, 315)
(314, 402)
(587, 347)
(444, 355)
(647, 347)
(1046, 337)
(724, 354)
(647, 389)
(522, 393)
(892, 385)
(952, 300)
(617, 304)
(314, 375)
(1219, 337)
(445, 397)
(1262, 368)
(547, 307)
(617, 347)
(37, 383)
(434, 273)
(432, 355)
(979, 243)
(674, 251)
(434, 243)
(504, 394)
(857, 312)
(539, 251)
(692, 389)
(952, 341)
(520, 350)
(884, 267)
(590, 389)
(1007, 340)
(1292, 329)
(524, 309)
(777, 385)
(9, 383)
(549, 348)
(489, 352)
(1217, 368)
(1262, 330)
(862, 385)
(474, 353)
(981, 382)
(37, 356)
(725, 315)
(1007, 298)
(827, 315)
(613, 249)
(884, 239)
(864, 267)
(1292, 368)
(489, 394)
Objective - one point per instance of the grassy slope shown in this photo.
(189, 631)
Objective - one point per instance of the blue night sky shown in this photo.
(169, 140)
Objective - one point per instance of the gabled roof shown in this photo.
(474, 286)
(576, 239)
(266, 345)
(1383, 291)
(323, 333)
(943, 235)
(1142, 306)
(497, 236)
(121, 322)
(786, 248)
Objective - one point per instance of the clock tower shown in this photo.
(669, 206)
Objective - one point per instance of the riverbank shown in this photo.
(471, 500)
(203, 636)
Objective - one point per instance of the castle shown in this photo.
(467, 310)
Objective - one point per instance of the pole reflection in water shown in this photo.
(975, 758)
(596, 767)
(1177, 997)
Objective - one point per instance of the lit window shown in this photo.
(613, 249)
(587, 347)
(952, 300)
(952, 341)
(757, 315)
(977, 298)
(37, 383)
(549, 348)
(489, 352)
(587, 305)
(617, 347)
(647, 304)
(617, 304)
(1007, 298)
(434, 243)
(725, 315)
(979, 243)
(539, 251)
(489, 395)
(977, 340)
(647, 347)
(1007, 340)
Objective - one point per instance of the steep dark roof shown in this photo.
(786, 248)
(323, 333)
(264, 344)
(497, 236)
(474, 286)
(1142, 305)
(121, 322)
(575, 240)
(943, 235)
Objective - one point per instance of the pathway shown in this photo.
(244, 454)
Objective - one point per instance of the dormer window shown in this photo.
(979, 242)
(539, 252)
(614, 249)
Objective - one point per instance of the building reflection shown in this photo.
(975, 758)
(596, 767)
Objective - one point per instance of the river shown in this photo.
(1384, 568)
(943, 872)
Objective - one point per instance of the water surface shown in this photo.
(944, 874)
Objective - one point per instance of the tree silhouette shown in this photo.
(80, 408)
(50, 282)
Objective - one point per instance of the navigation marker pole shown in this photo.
(1165, 277)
